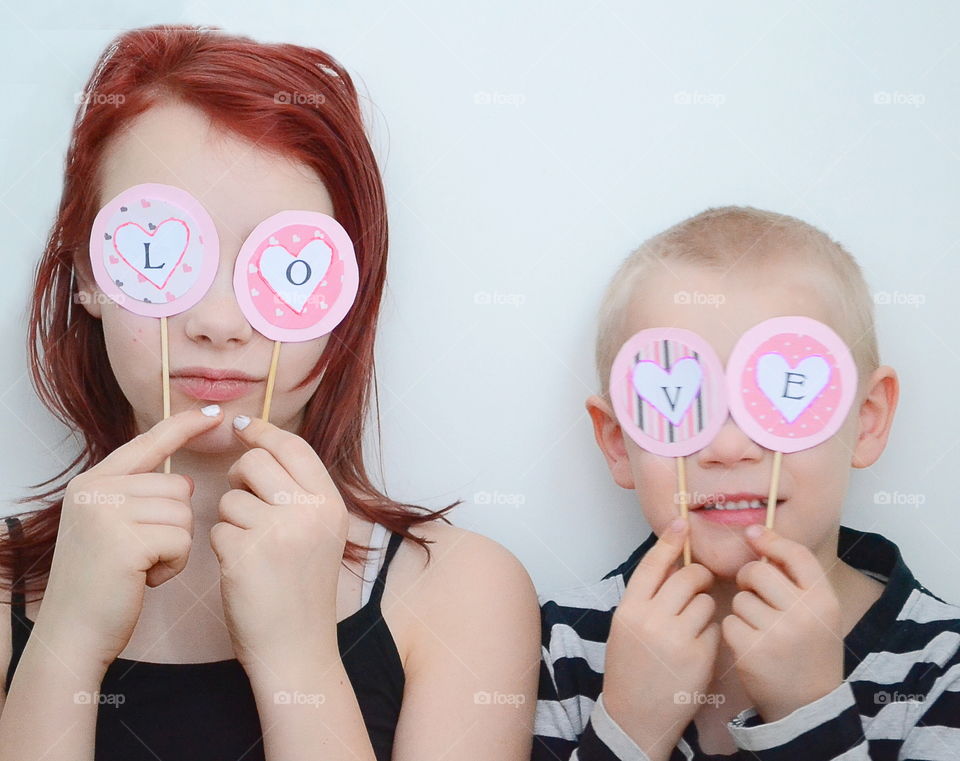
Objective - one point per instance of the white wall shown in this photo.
(527, 147)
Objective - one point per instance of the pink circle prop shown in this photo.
(667, 390)
(296, 276)
(792, 381)
(154, 249)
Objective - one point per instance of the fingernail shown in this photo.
(754, 530)
(211, 410)
(240, 422)
(677, 524)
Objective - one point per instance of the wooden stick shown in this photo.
(682, 490)
(772, 494)
(165, 369)
(270, 380)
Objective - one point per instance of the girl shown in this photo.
(193, 614)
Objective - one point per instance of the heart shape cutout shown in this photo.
(295, 277)
(154, 254)
(791, 390)
(670, 393)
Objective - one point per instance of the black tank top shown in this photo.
(206, 711)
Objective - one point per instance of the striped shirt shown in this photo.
(900, 698)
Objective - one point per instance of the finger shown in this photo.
(752, 610)
(769, 583)
(165, 546)
(678, 590)
(294, 454)
(258, 471)
(161, 512)
(167, 485)
(655, 564)
(797, 560)
(698, 614)
(241, 508)
(738, 635)
(144, 453)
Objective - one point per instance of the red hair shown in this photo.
(295, 101)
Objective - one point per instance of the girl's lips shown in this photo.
(208, 390)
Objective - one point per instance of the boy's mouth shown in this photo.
(734, 502)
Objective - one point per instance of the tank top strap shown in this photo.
(380, 582)
(18, 608)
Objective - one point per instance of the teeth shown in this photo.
(742, 504)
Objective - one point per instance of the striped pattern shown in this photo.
(900, 700)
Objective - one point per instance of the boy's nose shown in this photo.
(729, 447)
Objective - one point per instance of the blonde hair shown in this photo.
(724, 237)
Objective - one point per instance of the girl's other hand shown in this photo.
(121, 526)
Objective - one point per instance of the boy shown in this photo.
(831, 649)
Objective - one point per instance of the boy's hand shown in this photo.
(785, 630)
(662, 647)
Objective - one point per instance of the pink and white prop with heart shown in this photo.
(296, 276)
(667, 391)
(792, 381)
(154, 250)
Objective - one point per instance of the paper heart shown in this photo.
(791, 390)
(144, 203)
(114, 260)
(154, 255)
(294, 278)
(187, 267)
(670, 393)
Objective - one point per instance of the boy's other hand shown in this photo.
(662, 646)
(785, 630)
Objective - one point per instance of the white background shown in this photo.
(526, 149)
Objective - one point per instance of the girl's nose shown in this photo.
(217, 319)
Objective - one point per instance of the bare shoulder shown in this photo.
(459, 557)
(469, 580)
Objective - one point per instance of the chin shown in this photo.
(724, 556)
(217, 440)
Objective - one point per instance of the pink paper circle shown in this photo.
(154, 249)
(663, 349)
(786, 344)
(281, 283)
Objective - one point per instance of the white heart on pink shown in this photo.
(791, 389)
(294, 277)
(163, 247)
(670, 393)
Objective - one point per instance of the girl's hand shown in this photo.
(280, 541)
(121, 526)
(785, 629)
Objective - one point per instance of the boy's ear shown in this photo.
(609, 436)
(89, 295)
(876, 416)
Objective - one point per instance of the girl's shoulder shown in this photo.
(470, 581)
